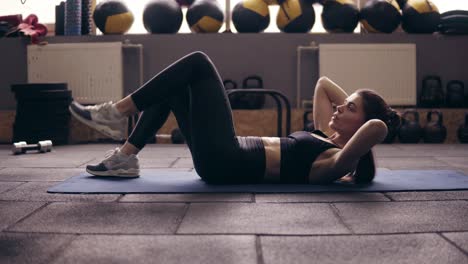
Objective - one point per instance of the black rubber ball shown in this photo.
(380, 16)
(251, 16)
(112, 17)
(295, 16)
(420, 16)
(205, 16)
(162, 16)
(340, 16)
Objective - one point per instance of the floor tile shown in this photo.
(18, 248)
(38, 174)
(11, 212)
(459, 238)
(160, 249)
(188, 197)
(54, 159)
(183, 163)
(37, 191)
(422, 163)
(319, 197)
(433, 150)
(435, 196)
(395, 217)
(250, 218)
(6, 186)
(459, 162)
(104, 218)
(382, 249)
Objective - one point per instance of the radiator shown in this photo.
(389, 69)
(93, 71)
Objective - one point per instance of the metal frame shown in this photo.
(274, 94)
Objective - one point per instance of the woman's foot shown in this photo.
(116, 164)
(105, 118)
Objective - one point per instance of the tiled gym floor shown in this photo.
(403, 227)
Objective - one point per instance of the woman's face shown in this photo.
(349, 116)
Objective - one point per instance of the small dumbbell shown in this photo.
(22, 147)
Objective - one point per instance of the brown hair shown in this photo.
(375, 107)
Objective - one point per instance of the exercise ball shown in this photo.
(112, 17)
(251, 16)
(420, 16)
(162, 16)
(205, 16)
(340, 16)
(381, 16)
(295, 16)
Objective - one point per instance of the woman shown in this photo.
(192, 89)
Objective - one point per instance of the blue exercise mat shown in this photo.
(166, 181)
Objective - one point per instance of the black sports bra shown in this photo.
(298, 152)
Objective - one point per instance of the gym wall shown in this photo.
(270, 55)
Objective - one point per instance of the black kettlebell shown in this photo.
(462, 131)
(252, 101)
(308, 124)
(434, 130)
(455, 94)
(410, 130)
(233, 99)
(432, 92)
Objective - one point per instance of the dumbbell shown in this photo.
(22, 147)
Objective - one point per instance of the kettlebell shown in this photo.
(434, 131)
(308, 124)
(455, 94)
(432, 92)
(233, 99)
(252, 101)
(462, 131)
(410, 130)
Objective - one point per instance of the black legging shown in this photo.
(193, 90)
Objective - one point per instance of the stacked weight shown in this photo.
(42, 112)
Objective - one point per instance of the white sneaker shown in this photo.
(116, 164)
(102, 117)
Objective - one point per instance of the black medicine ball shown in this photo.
(295, 16)
(401, 3)
(185, 2)
(420, 16)
(162, 16)
(205, 16)
(112, 17)
(251, 16)
(340, 16)
(380, 16)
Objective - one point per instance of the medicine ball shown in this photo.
(420, 16)
(112, 17)
(162, 16)
(340, 16)
(186, 3)
(251, 16)
(295, 16)
(205, 16)
(401, 3)
(380, 16)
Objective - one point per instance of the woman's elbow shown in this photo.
(379, 128)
